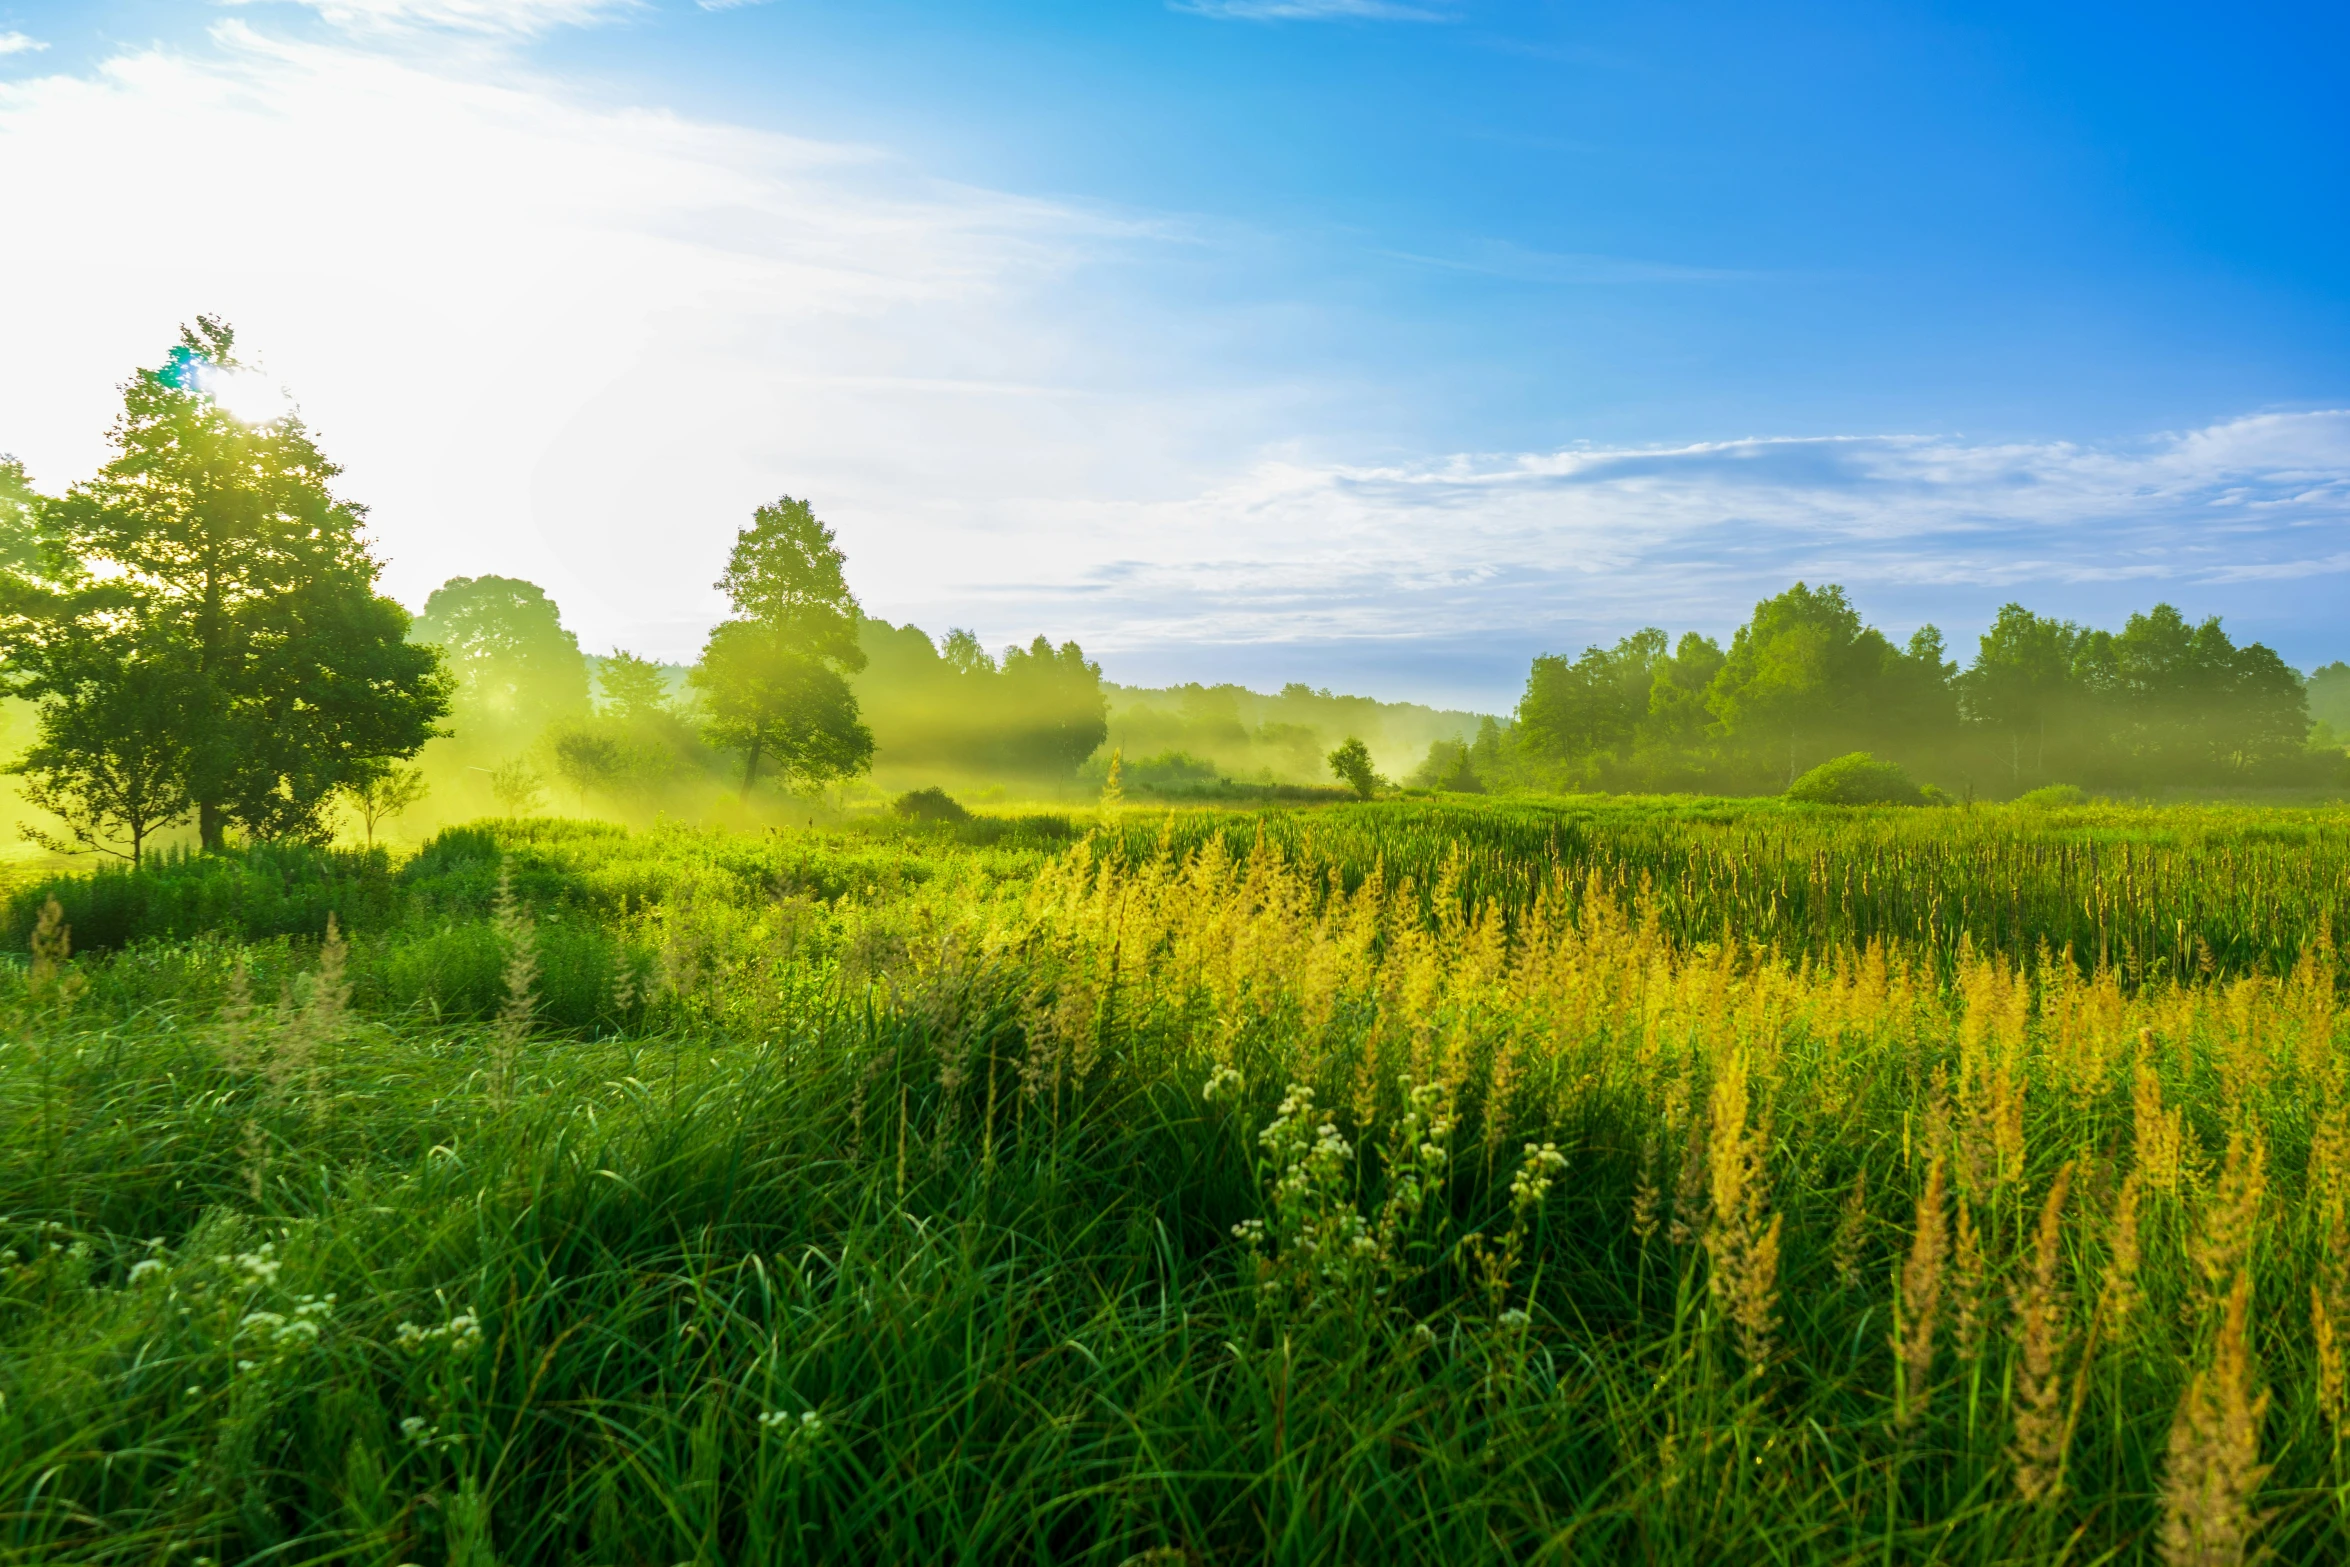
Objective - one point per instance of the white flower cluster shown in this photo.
(1543, 1164)
(798, 1431)
(259, 1266)
(1222, 1083)
(461, 1333)
(1314, 1240)
(300, 1327)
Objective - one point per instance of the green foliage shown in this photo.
(2054, 797)
(930, 805)
(1352, 763)
(786, 573)
(1036, 713)
(1857, 779)
(386, 796)
(607, 757)
(24, 534)
(517, 786)
(773, 681)
(517, 669)
(209, 570)
(766, 698)
(1450, 767)
(2161, 702)
(112, 760)
(863, 1190)
(636, 690)
(2329, 696)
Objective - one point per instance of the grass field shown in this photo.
(1416, 1181)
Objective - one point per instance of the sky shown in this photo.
(1379, 344)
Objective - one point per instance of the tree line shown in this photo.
(199, 633)
(2164, 700)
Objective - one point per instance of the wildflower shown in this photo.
(416, 1428)
(1968, 1271)
(1921, 1295)
(2042, 1429)
(2120, 1294)
(2330, 1392)
(2231, 1217)
(1743, 1250)
(1852, 1232)
(142, 1268)
(1646, 1198)
(2213, 1467)
(1222, 1082)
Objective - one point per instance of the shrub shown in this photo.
(931, 805)
(2054, 797)
(1858, 779)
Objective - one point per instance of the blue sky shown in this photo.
(1376, 345)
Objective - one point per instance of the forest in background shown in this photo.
(196, 650)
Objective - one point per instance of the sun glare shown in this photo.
(245, 395)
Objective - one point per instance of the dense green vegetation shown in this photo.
(2164, 702)
(1422, 1180)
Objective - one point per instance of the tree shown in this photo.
(1052, 711)
(1352, 763)
(214, 543)
(2021, 679)
(2329, 696)
(111, 760)
(604, 757)
(516, 668)
(1677, 686)
(1806, 673)
(1593, 705)
(786, 573)
(517, 787)
(2187, 704)
(23, 538)
(774, 680)
(635, 689)
(963, 653)
(386, 795)
(767, 700)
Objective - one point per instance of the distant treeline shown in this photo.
(2162, 702)
(198, 642)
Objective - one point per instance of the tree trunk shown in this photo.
(750, 770)
(212, 826)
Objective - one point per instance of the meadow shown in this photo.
(1421, 1180)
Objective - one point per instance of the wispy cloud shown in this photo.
(1466, 546)
(577, 343)
(1316, 10)
(491, 18)
(18, 43)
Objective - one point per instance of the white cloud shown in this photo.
(18, 43)
(497, 18)
(570, 341)
(578, 342)
(1470, 547)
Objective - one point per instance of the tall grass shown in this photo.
(1194, 1191)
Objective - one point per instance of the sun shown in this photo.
(247, 396)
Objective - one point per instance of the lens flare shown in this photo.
(247, 396)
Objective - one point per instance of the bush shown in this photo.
(1858, 779)
(931, 805)
(2054, 797)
